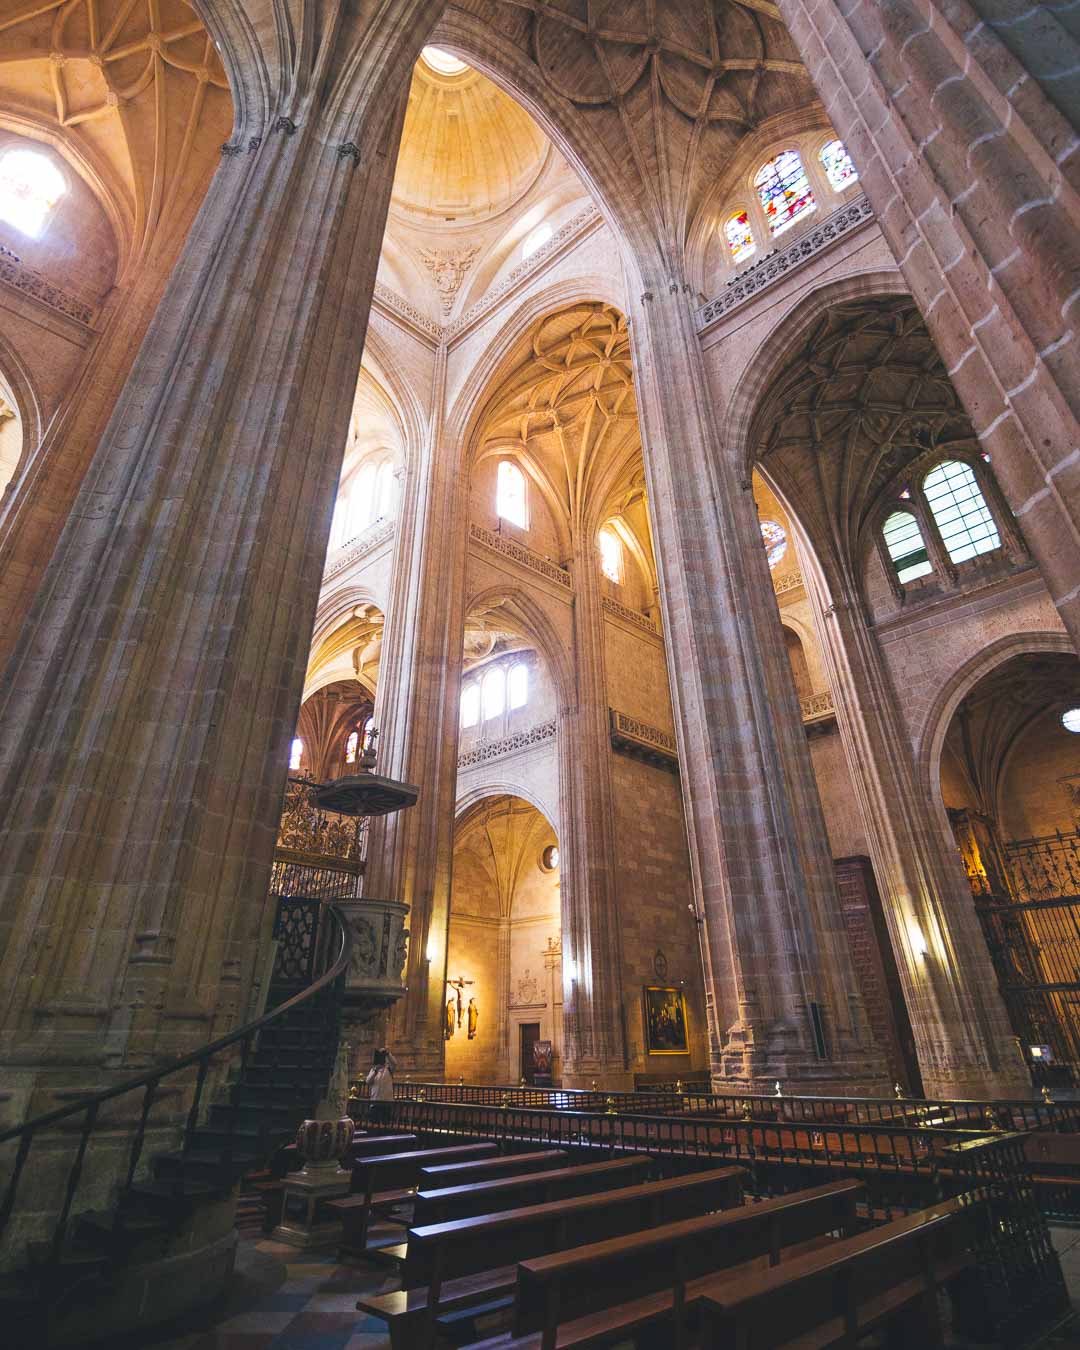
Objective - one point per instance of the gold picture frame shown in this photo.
(666, 1029)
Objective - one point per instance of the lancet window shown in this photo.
(906, 546)
(785, 191)
(836, 162)
(296, 753)
(511, 501)
(611, 555)
(960, 511)
(30, 187)
(740, 236)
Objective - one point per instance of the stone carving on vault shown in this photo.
(449, 268)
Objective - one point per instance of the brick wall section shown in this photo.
(875, 966)
(971, 170)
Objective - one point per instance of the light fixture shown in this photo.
(918, 941)
(1070, 720)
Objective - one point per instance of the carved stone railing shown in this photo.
(510, 548)
(34, 283)
(631, 736)
(353, 549)
(507, 745)
(817, 706)
(778, 265)
(634, 616)
(787, 581)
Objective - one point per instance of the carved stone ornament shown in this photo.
(448, 268)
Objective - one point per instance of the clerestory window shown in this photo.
(906, 546)
(511, 502)
(960, 511)
(30, 187)
(785, 191)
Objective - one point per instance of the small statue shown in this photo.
(1047, 1099)
(778, 1093)
(474, 1015)
(747, 1113)
(504, 1105)
(609, 1106)
(449, 1018)
(898, 1091)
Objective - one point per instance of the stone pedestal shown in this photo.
(305, 1221)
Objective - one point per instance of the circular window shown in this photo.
(1071, 720)
(442, 63)
(549, 859)
(775, 537)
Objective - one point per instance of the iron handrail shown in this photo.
(149, 1080)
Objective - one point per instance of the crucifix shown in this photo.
(459, 984)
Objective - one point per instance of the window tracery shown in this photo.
(775, 537)
(30, 187)
(511, 502)
(784, 190)
(906, 546)
(960, 511)
(740, 237)
(836, 162)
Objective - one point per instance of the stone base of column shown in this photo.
(606, 1077)
(1004, 1083)
(756, 1059)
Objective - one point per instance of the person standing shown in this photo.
(380, 1082)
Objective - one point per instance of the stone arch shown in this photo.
(504, 787)
(940, 714)
(534, 624)
(763, 365)
(17, 378)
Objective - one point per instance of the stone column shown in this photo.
(776, 972)
(410, 855)
(962, 1035)
(961, 119)
(148, 707)
(592, 946)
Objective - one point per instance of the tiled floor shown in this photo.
(283, 1299)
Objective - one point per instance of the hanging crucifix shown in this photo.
(459, 984)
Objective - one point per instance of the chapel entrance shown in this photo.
(504, 955)
(1010, 780)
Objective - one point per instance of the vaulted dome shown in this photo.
(467, 150)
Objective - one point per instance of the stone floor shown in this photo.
(283, 1299)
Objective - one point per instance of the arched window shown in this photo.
(493, 693)
(740, 237)
(296, 753)
(775, 537)
(352, 741)
(517, 685)
(510, 500)
(536, 239)
(785, 191)
(906, 546)
(470, 705)
(837, 164)
(960, 510)
(610, 547)
(30, 187)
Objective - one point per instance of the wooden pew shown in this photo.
(536, 1188)
(385, 1180)
(886, 1278)
(489, 1169)
(378, 1145)
(579, 1297)
(448, 1270)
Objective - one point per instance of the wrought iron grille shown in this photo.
(296, 932)
(1044, 868)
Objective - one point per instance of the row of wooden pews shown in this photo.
(597, 1254)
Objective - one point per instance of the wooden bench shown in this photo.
(886, 1278)
(381, 1182)
(585, 1288)
(489, 1169)
(536, 1188)
(448, 1273)
(378, 1145)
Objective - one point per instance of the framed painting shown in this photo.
(665, 1021)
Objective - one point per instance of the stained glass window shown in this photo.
(510, 494)
(517, 685)
(960, 510)
(30, 186)
(470, 705)
(906, 546)
(775, 537)
(351, 742)
(493, 693)
(785, 191)
(838, 167)
(610, 555)
(740, 237)
(296, 753)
